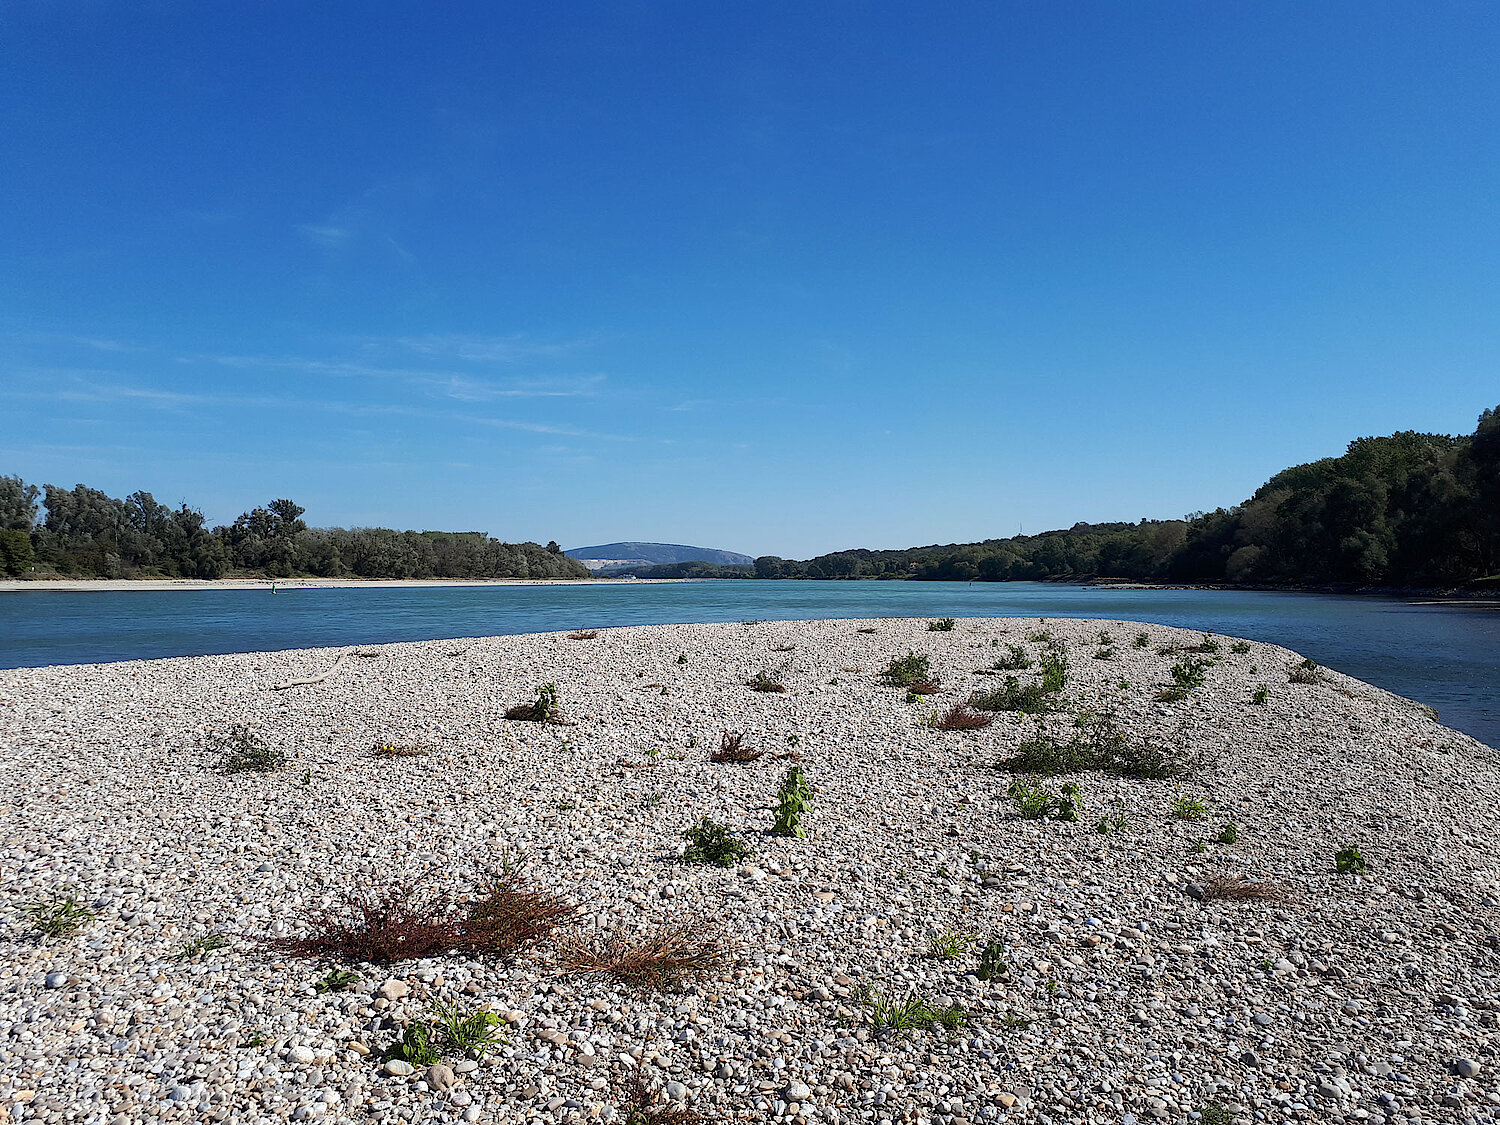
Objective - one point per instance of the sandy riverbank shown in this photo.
(1128, 989)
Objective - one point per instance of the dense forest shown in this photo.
(86, 533)
(1406, 510)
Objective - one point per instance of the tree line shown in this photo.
(1410, 509)
(85, 533)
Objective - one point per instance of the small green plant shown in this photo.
(1215, 1113)
(244, 750)
(941, 625)
(1104, 652)
(60, 915)
(767, 682)
(201, 945)
(458, 1032)
(914, 1013)
(903, 671)
(711, 842)
(416, 1045)
(1142, 640)
(1187, 807)
(1229, 834)
(792, 800)
(1034, 802)
(1261, 695)
(1016, 659)
(1110, 825)
(337, 981)
(544, 709)
(1098, 744)
(1200, 845)
(1028, 699)
(1348, 861)
(951, 943)
(794, 740)
(1041, 637)
(682, 658)
(992, 960)
(1015, 1020)
(1054, 669)
(1240, 647)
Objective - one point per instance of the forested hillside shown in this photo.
(1406, 510)
(83, 532)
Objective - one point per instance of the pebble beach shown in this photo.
(1124, 983)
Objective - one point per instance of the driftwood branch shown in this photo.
(318, 679)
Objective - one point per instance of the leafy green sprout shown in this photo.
(1215, 1113)
(1261, 695)
(1240, 647)
(792, 800)
(682, 658)
(60, 915)
(941, 625)
(992, 960)
(1200, 846)
(1034, 802)
(1141, 640)
(337, 981)
(1348, 861)
(1229, 834)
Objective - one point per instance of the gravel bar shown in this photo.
(1129, 991)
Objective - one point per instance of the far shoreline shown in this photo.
(118, 585)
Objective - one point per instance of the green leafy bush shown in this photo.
(713, 843)
(544, 709)
(244, 750)
(1348, 861)
(792, 800)
(903, 671)
(1016, 659)
(942, 625)
(1029, 699)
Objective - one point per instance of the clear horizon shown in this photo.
(766, 279)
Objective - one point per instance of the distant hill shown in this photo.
(614, 556)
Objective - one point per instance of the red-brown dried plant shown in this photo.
(733, 748)
(925, 687)
(962, 717)
(660, 959)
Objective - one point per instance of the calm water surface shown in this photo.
(1447, 657)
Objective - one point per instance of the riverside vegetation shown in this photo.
(1116, 904)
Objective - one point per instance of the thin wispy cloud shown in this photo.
(327, 236)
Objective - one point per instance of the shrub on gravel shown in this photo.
(244, 750)
(1142, 640)
(1242, 888)
(660, 959)
(960, 717)
(544, 709)
(903, 671)
(1308, 672)
(1054, 669)
(1015, 659)
(196, 948)
(733, 748)
(508, 915)
(992, 960)
(1097, 744)
(941, 625)
(767, 681)
(1187, 674)
(1028, 699)
(60, 915)
(1229, 834)
(1261, 695)
(1240, 647)
(583, 635)
(711, 842)
(1185, 807)
(399, 922)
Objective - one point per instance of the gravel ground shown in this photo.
(1128, 993)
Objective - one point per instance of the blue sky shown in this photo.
(778, 278)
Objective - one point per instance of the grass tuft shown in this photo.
(60, 915)
(915, 1013)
